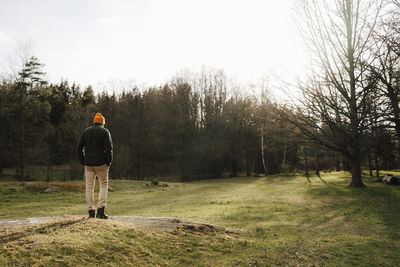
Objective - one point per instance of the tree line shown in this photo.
(193, 127)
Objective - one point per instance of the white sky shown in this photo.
(95, 41)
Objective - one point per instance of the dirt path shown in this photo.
(140, 221)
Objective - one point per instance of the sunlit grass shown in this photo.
(285, 220)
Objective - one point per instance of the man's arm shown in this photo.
(80, 150)
(108, 148)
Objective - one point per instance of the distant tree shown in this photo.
(264, 117)
(76, 121)
(8, 119)
(59, 98)
(30, 79)
(88, 96)
(185, 110)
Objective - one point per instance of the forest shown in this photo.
(193, 127)
(202, 125)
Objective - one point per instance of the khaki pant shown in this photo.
(102, 174)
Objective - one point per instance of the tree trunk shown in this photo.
(284, 155)
(262, 151)
(305, 161)
(71, 170)
(376, 164)
(293, 167)
(356, 180)
(247, 166)
(316, 163)
(50, 157)
(338, 168)
(48, 172)
(370, 165)
(235, 168)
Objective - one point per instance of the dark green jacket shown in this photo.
(95, 146)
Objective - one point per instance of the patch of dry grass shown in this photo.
(55, 187)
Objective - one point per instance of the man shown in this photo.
(95, 151)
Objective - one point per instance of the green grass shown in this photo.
(39, 173)
(284, 221)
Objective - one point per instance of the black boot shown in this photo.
(101, 214)
(91, 213)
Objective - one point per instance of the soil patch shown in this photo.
(53, 187)
(172, 224)
(48, 188)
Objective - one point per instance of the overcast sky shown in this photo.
(95, 41)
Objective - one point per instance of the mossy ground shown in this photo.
(284, 220)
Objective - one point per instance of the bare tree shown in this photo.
(335, 102)
(386, 66)
(264, 115)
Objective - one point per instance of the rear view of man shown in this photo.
(95, 151)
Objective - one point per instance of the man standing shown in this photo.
(95, 152)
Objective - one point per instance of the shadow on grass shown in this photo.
(328, 207)
(319, 176)
(376, 201)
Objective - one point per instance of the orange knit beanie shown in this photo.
(99, 119)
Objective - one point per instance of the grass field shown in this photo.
(283, 221)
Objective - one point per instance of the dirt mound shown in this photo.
(206, 228)
(39, 226)
(45, 187)
(36, 220)
(171, 224)
(53, 187)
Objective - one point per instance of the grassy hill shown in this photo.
(283, 220)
